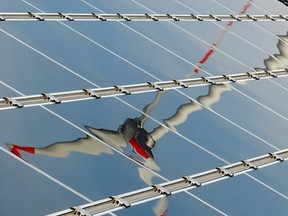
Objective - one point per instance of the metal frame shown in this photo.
(34, 16)
(116, 90)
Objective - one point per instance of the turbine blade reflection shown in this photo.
(214, 94)
(86, 145)
(218, 39)
(111, 137)
(278, 61)
(183, 112)
(148, 108)
(161, 207)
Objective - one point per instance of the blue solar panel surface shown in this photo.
(194, 129)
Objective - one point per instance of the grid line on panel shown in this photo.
(60, 16)
(262, 105)
(116, 90)
(154, 119)
(126, 200)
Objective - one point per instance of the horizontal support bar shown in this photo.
(86, 94)
(34, 16)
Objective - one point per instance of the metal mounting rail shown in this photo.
(136, 197)
(116, 90)
(34, 16)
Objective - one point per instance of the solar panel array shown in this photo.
(70, 154)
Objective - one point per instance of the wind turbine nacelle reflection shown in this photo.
(130, 133)
(139, 139)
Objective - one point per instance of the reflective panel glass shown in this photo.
(74, 153)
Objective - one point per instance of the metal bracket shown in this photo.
(270, 74)
(51, 98)
(91, 93)
(96, 16)
(65, 16)
(120, 201)
(173, 17)
(36, 16)
(251, 17)
(121, 16)
(215, 17)
(13, 102)
(249, 164)
(224, 172)
(270, 17)
(196, 17)
(80, 211)
(276, 157)
(180, 83)
(235, 17)
(207, 80)
(155, 86)
(253, 76)
(227, 77)
(122, 90)
(161, 190)
(151, 17)
(191, 181)
(284, 17)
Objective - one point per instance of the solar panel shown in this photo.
(74, 153)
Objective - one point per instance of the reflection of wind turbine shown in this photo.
(278, 61)
(132, 133)
(218, 39)
(185, 110)
(86, 145)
